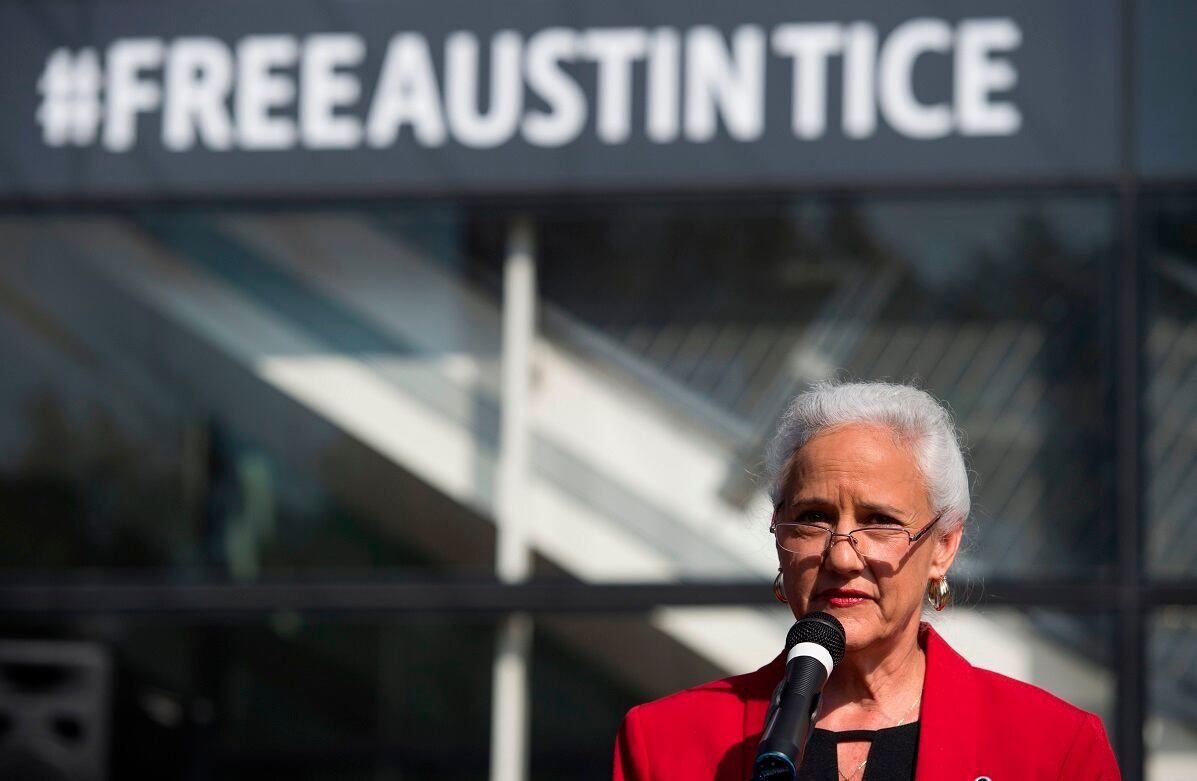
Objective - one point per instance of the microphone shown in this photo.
(814, 646)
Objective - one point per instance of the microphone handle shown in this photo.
(783, 741)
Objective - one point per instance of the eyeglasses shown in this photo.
(876, 543)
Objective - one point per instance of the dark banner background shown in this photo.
(1068, 93)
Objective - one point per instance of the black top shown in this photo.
(891, 757)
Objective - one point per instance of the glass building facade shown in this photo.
(249, 449)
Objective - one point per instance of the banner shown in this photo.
(378, 97)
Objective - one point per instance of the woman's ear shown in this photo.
(946, 547)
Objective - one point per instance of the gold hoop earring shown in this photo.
(778, 593)
(939, 593)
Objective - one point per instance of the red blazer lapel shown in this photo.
(948, 716)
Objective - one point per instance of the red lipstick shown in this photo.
(843, 597)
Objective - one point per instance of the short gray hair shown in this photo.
(913, 415)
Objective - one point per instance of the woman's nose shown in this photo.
(842, 555)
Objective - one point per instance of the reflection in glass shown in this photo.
(238, 394)
(300, 698)
(717, 314)
(1171, 358)
(1171, 729)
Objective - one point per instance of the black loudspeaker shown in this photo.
(54, 710)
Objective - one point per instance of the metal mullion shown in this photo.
(457, 596)
(1130, 697)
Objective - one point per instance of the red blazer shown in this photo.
(975, 724)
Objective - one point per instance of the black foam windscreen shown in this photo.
(821, 628)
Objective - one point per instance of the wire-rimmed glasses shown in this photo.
(877, 543)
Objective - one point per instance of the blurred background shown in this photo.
(383, 386)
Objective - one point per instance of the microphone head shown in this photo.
(820, 628)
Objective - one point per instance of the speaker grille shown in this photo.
(820, 628)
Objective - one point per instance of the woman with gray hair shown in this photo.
(870, 495)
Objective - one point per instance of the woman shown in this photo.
(870, 495)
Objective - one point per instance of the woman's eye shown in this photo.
(813, 516)
(884, 520)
